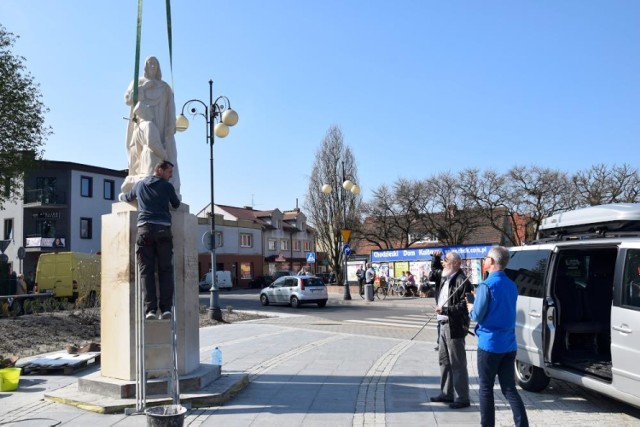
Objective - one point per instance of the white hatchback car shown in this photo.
(295, 291)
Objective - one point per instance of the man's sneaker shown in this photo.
(150, 315)
(166, 315)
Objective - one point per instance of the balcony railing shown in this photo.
(45, 197)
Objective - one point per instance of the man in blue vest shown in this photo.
(494, 310)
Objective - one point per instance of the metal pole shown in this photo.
(347, 291)
(214, 307)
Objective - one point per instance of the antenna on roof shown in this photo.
(253, 205)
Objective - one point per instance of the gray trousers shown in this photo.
(454, 376)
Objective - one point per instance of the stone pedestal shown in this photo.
(118, 297)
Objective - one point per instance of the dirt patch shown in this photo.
(34, 334)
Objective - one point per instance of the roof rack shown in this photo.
(613, 220)
(584, 236)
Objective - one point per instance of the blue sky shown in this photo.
(418, 87)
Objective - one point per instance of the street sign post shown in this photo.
(311, 257)
(346, 249)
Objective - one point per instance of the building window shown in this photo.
(219, 239)
(46, 228)
(8, 229)
(246, 270)
(45, 190)
(246, 240)
(109, 186)
(86, 228)
(86, 186)
(7, 187)
(307, 246)
(272, 244)
(276, 224)
(284, 245)
(296, 245)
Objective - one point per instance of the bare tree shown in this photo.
(329, 213)
(393, 215)
(601, 184)
(447, 212)
(493, 201)
(538, 193)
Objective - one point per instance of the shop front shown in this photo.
(393, 262)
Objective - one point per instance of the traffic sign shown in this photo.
(311, 257)
(346, 249)
(206, 240)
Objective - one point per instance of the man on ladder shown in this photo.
(154, 241)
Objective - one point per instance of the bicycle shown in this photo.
(396, 286)
(382, 291)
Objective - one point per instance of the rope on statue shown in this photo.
(136, 72)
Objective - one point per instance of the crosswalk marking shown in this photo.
(408, 321)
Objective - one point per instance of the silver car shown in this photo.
(295, 291)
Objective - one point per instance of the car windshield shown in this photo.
(312, 281)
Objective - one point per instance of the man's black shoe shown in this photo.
(442, 399)
(459, 405)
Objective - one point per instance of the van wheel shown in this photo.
(264, 300)
(530, 378)
(322, 304)
(295, 302)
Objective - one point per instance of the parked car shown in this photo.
(261, 282)
(295, 291)
(327, 278)
(283, 273)
(578, 308)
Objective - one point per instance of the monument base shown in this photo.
(119, 233)
(120, 389)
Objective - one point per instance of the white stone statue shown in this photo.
(152, 126)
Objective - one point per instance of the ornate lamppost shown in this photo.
(345, 233)
(219, 116)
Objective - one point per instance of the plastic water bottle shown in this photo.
(216, 356)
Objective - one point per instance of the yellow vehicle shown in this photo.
(69, 275)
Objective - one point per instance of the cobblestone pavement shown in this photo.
(308, 371)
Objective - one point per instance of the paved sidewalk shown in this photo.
(306, 377)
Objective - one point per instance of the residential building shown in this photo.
(253, 243)
(60, 209)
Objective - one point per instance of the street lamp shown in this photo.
(219, 116)
(345, 233)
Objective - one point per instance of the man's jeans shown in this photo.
(501, 364)
(155, 246)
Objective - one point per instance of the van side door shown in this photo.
(528, 269)
(625, 321)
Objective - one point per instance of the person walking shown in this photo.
(154, 241)
(494, 310)
(360, 273)
(453, 317)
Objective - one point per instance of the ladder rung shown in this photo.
(158, 345)
(154, 370)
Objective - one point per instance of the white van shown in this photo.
(578, 310)
(224, 281)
